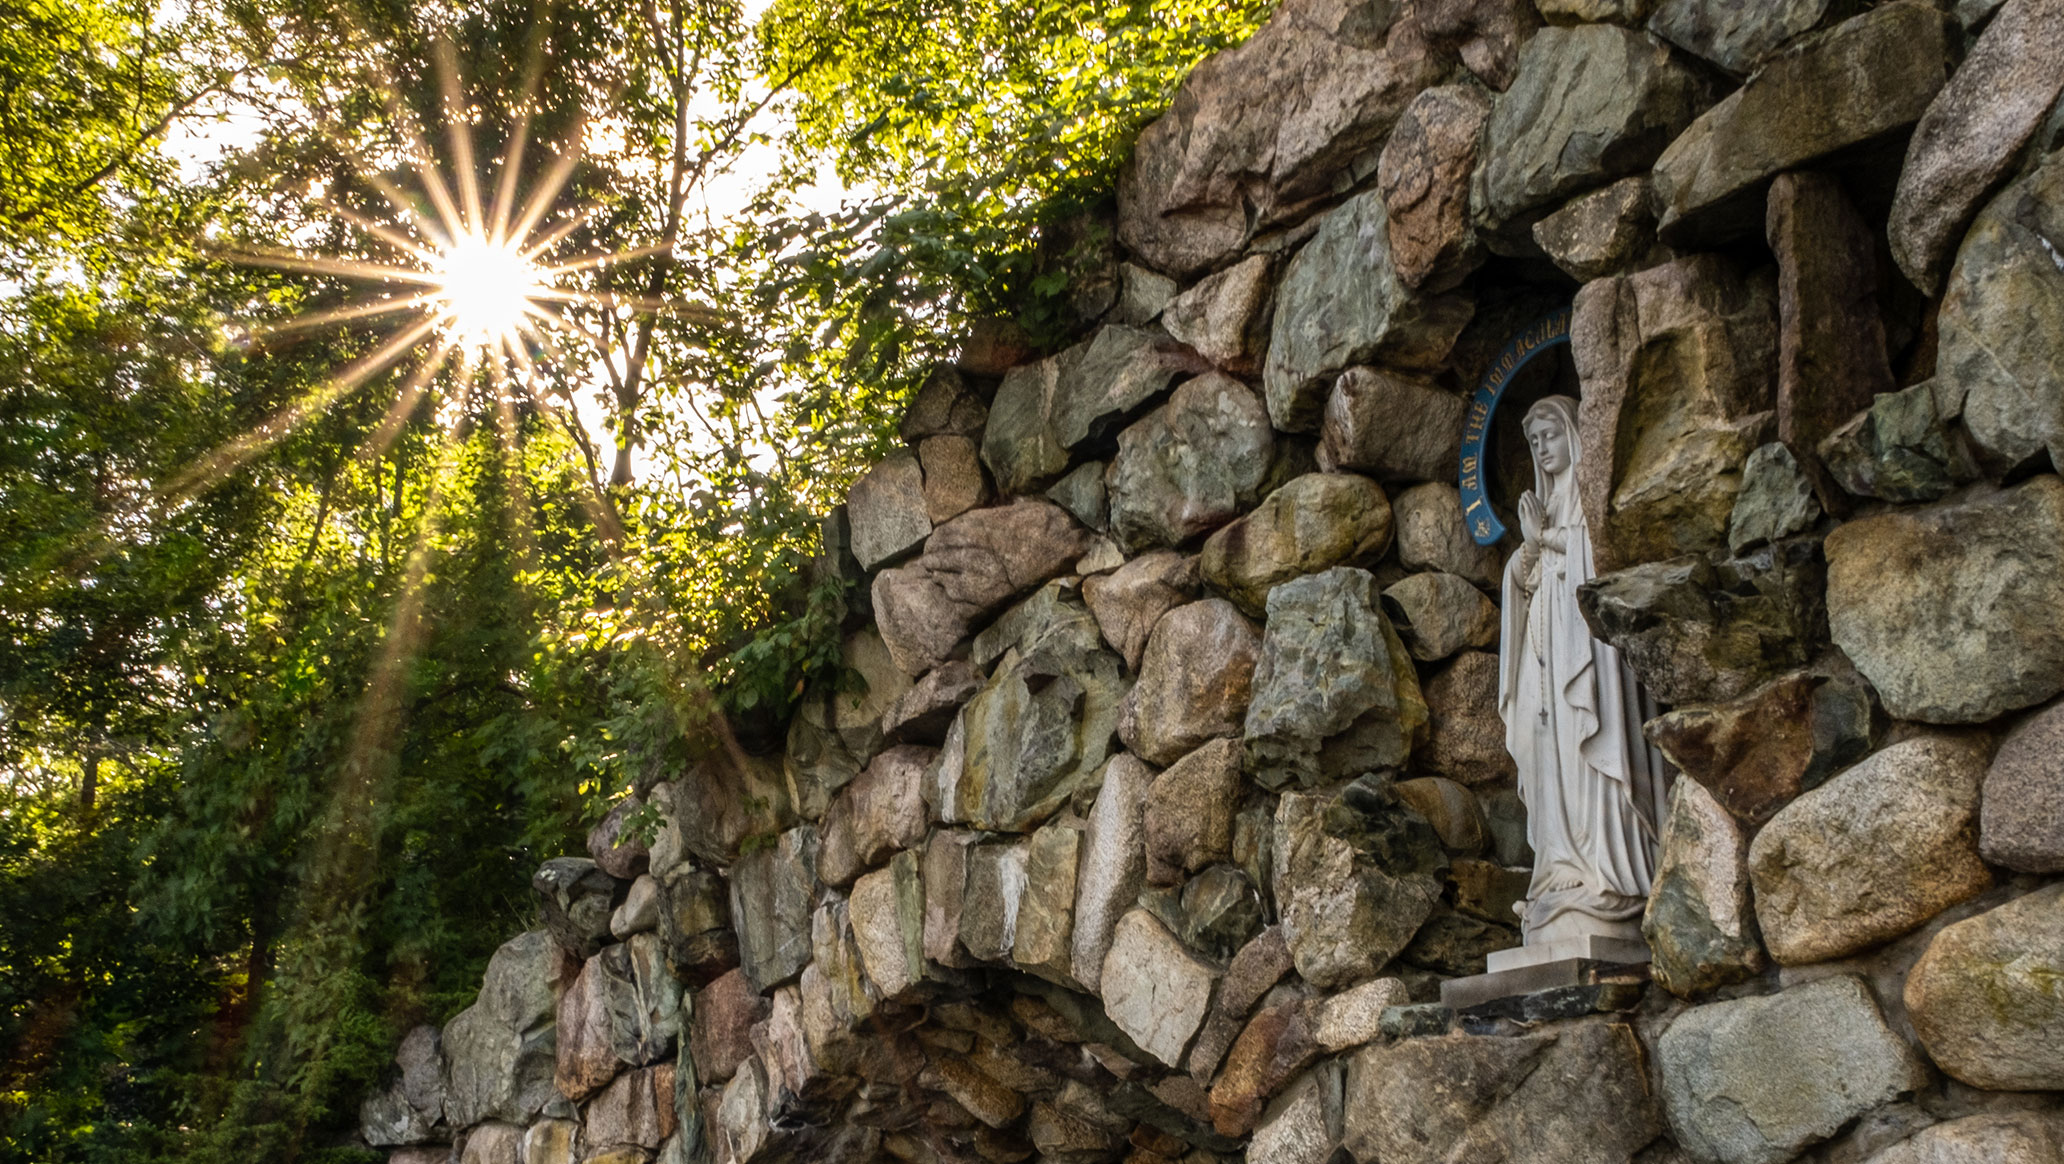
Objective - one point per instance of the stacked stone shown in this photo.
(1171, 782)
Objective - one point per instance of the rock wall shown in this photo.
(1174, 785)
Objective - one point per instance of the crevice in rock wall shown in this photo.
(1175, 782)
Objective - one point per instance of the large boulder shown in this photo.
(1188, 822)
(1873, 853)
(1154, 989)
(1904, 447)
(411, 1109)
(2021, 814)
(1335, 692)
(577, 899)
(1391, 426)
(1256, 132)
(624, 1010)
(1035, 735)
(879, 813)
(614, 846)
(695, 924)
(1342, 303)
(499, 1053)
(1127, 602)
(726, 797)
(2006, 1137)
(1465, 732)
(837, 728)
(1757, 1080)
(1697, 631)
(1757, 753)
(1950, 610)
(1424, 175)
(954, 481)
(1600, 233)
(1868, 77)
(1342, 918)
(1433, 535)
(1043, 941)
(1590, 104)
(1189, 466)
(887, 508)
(1225, 316)
(1699, 924)
(1302, 1126)
(1439, 614)
(1985, 997)
(1112, 867)
(1972, 133)
(1577, 1092)
(773, 890)
(1832, 357)
(1737, 37)
(1315, 522)
(1044, 411)
(972, 567)
(2002, 322)
(887, 915)
(1194, 681)
(1678, 365)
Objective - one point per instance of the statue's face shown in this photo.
(1549, 442)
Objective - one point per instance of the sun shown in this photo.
(486, 290)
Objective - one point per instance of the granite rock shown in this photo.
(1112, 867)
(1873, 853)
(1224, 317)
(1684, 355)
(1699, 923)
(1342, 303)
(1431, 535)
(773, 890)
(1465, 733)
(1129, 601)
(1757, 753)
(1423, 173)
(1188, 823)
(1972, 132)
(2021, 811)
(972, 567)
(1342, 919)
(1044, 411)
(1335, 691)
(1902, 448)
(1439, 614)
(1317, 521)
(1155, 990)
(1189, 466)
(2007, 1137)
(888, 511)
(1736, 37)
(954, 481)
(1949, 610)
(2001, 318)
(1984, 998)
(1600, 233)
(1757, 1080)
(1591, 104)
(1391, 426)
(1887, 65)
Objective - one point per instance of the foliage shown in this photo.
(299, 683)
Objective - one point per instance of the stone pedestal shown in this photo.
(1532, 969)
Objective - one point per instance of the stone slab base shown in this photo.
(1458, 993)
(1588, 947)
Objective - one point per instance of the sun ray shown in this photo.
(458, 134)
(605, 258)
(547, 189)
(363, 310)
(386, 234)
(285, 260)
(227, 458)
(406, 401)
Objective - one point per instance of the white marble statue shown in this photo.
(1573, 715)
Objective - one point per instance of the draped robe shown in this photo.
(1573, 715)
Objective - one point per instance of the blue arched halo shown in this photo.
(1551, 330)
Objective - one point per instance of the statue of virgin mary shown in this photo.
(1591, 783)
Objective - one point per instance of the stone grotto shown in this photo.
(1171, 815)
